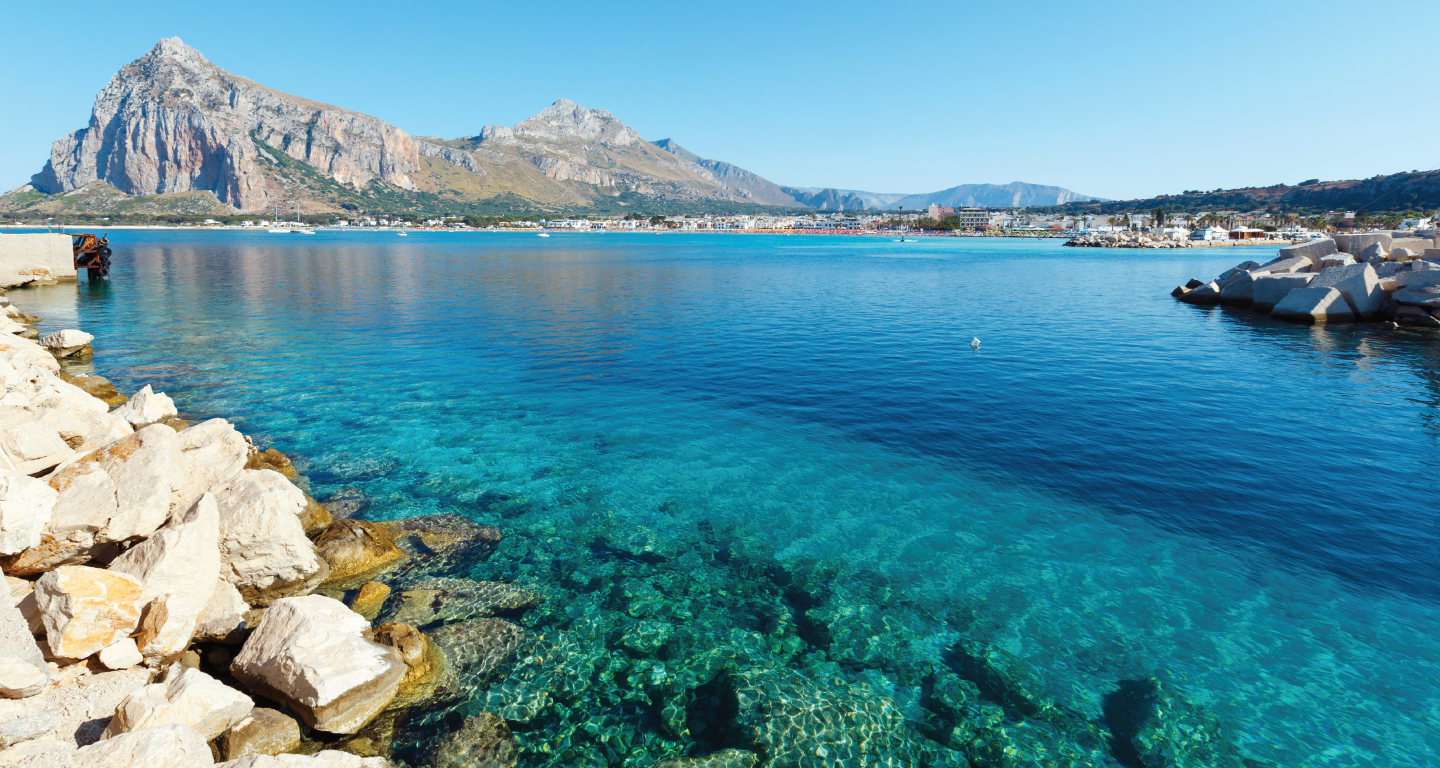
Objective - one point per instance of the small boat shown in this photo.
(402, 234)
(278, 231)
(543, 234)
(302, 231)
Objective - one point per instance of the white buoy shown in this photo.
(974, 343)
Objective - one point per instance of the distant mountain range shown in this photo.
(176, 128)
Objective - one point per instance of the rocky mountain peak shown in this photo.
(171, 121)
(174, 49)
(565, 120)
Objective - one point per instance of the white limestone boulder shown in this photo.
(263, 548)
(23, 671)
(121, 492)
(185, 697)
(1424, 296)
(67, 342)
(27, 725)
(1315, 250)
(85, 700)
(1315, 305)
(1354, 244)
(309, 654)
(85, 609)
(1399, 254)
(171, 746)
(41, 387)
(1209, 293)
(1412, 245)
(85, 430)
(22, 352)
(121, 655)
(223, 619)
(33, 447)
(147, 407)
(1417, 279)
(26, 506)
(1239, 290)
(179, 564)
(212, 453)
(1358, 283)
(1338, 260)
(22, 595)
(1283, 266)
(1270, 289)
(1373, 254)
(1416, 316)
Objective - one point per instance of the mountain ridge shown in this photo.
(173, 122)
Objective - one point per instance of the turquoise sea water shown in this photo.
(1121, 485)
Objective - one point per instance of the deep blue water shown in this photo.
(1134, 484)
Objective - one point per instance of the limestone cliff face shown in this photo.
(173, 122)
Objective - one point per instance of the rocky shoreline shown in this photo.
(175, 598)
(1375, 276)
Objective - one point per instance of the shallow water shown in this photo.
(1127, 486)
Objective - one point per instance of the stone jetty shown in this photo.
(1390, 277)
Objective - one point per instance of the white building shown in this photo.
(1211, 233)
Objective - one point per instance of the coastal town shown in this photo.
(1127, 229)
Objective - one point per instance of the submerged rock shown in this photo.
(1156, 727)
(440, 545)
(475, 649)
(100, 388)
(443, 600)
(725, 758)
(796, 721)
(370, 599)
(484, 741)
(424, 662)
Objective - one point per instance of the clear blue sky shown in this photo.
(1116, 99)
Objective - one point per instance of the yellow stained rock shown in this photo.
(356, 550)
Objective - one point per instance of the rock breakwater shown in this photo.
(1376, 276)
(1124, 240)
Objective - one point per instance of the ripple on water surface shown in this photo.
(1119, 485)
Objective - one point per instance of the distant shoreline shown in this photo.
(537, 230)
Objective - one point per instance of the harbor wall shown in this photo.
(25, 258)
